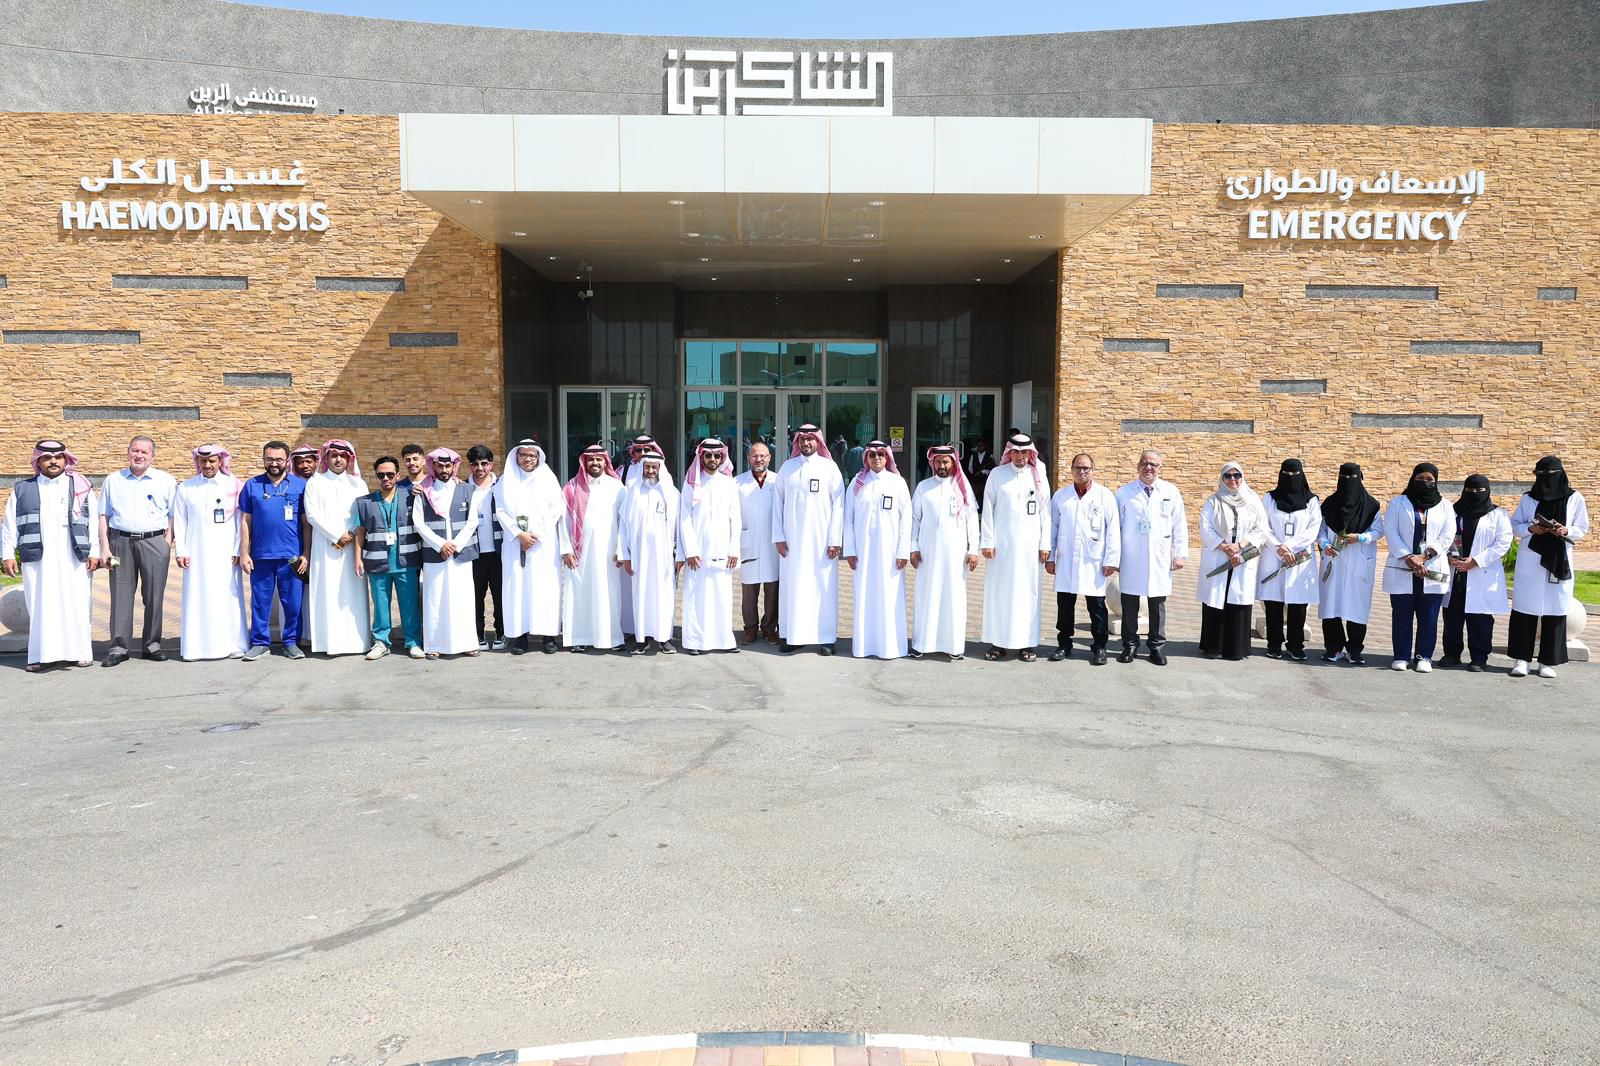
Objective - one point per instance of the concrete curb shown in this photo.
(1008, 1049)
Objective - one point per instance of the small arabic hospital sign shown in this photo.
(702, 81)
(1435, 221)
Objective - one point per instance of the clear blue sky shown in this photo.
(837, 18)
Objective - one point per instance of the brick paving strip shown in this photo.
(801, 1049)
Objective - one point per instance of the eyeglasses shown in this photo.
(1146, 465)
(1233, 477)
(385, 475)
(1083, 469)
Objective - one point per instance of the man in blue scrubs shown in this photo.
(270, 505)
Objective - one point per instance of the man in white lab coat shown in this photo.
(1085, 549)
(1155, 544)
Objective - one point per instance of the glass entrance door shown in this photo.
(940, 416)
(614, 416)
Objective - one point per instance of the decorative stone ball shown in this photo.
(1114, 596)
(14, 610)
(1577, 618)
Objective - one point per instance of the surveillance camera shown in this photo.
(586, 294)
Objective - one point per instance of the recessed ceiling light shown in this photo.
(553, 258)
(691, 234)
(874, 203)
(1035, 236)
(1005, 260)
(705, 259)
(519, 233)
(675, 203)
(474, 201)
(849, 279)
(870, 236)
(855, 260)
(977, 279)
(713, 277)
(577, 277)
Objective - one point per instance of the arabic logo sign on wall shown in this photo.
(160, 212)
(1360, 223)
(715, 82)
(222, 100)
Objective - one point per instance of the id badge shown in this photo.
(955, 505)
(888, 503)
(661, 507)
(1166, 510)
(288, 512)
(816, 486)
(218, 515)
(387, 537)
(1033, 506)
(1288, 527)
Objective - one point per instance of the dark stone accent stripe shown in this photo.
(1496, 488)
(3, 281)
(423, 340)
(1372, 421)
(1477, 347)
(1200, 292)
(131, 414)
(369, 421)
(1372, 292)
(259, 381)
(1187, 425)
(361, 284)
(179, 281)
(1136, 344)
(1295, 386)
(1075, 1055)
(1544, 294)
(829, 1039)
(70, 336)
(768, 1039)
(493, 1058)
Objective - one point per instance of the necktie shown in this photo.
(1148, 489)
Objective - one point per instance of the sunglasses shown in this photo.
(1233, 477)
(385, 475)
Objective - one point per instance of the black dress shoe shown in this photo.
(913, 653)
(115, 658)
(157, 656)
(1298, 656)
(1059, 654)
(1274, 653)
(826, 649)
(1125, 655)
(686, 651)
(1449, 660)
(1474, 668)
(549, 646)
(785, 647)
(1097, 657)
(1158, 656)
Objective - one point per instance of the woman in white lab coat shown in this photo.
(1420, 527)
(1289, 582)
(1550, 518)
(1478, 576)
(1231, 523)
(1352, 525)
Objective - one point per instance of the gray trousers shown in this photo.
(142, 563)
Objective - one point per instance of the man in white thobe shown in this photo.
(708, 544)
(591, 608)
(631, 475)
(877, 545)
(445, 514)
(1085, 549)
(1015, 538)
(944, 550)
(340, 622)
(528, 502)
(758, 559)
(1155, 544)
(647, 543)
(808, 531)
(206, 542)
(53, 521)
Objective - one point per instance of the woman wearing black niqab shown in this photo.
(1351, 529)
(1286, 587)
(1550, 518)
(1420, 527)
(1478, 577)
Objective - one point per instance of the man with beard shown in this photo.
(339, 620)
(708, 542)
(647, 537)
(758, 559)
(1085, 550)
(1015, 538)
(808, 532)
(1155, 544)
(877, 545)
(271, 505)
(52, 522)
(445, 514)
(528, 502)
(591, 608)
(944, 549)
(206, 541)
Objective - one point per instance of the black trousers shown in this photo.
(748, 601)
(486, 580)
(1099, 620)
(142, 566)
(1225, 631)
(1479, 627)
(1552, 630)
(1339, 635)
(1156, 634)
(1296, 636)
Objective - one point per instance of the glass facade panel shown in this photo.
(710, 363)
(585, 412)
(852, 422)
(933, 424)
(630, 416)
(708, 414)
(759, 421)
(780, 364)
(528, 415)
(852, 363)
(980, 416)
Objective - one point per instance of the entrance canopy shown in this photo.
(776, 202)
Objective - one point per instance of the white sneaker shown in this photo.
(1546, 671)
(1398, 664)
(416, 652)
(1424, 666)
(378, 651)
(1519, 668)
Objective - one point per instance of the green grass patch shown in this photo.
(1586, 586)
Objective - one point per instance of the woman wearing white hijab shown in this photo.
(528, 502)
(1231, 524)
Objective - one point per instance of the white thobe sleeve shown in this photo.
(848, 542)
(688, 535)
(564, 530)
(735, 520)
(180, 525)
(986, 523)
(8, 528)
(1180, 529)
(508, 521)
(619, 511)
(429, 537)
(324, 514)
(836, 526)
(624, 535)
(903, 547)
(972, 528)
(916, 520)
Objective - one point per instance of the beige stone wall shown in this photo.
(1534, 228)
(335, 344)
